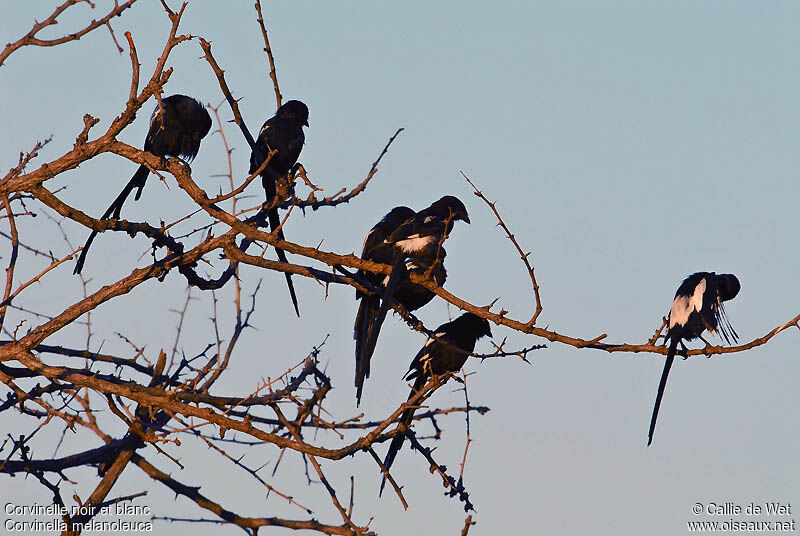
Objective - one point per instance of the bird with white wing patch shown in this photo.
(412, 243)
(697, 307)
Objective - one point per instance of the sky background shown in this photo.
(627, 144)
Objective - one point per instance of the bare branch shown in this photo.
(31, 39)
(268, 50)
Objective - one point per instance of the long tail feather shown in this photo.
(405, 422)
(274, 222)
(673, 347)
(398, 271)
(367, 311)
(114, 210)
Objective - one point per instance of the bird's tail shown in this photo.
(402, 427)
(398, 271)
(367, 311)
(673, 347)
(114, 210)
(274, 222)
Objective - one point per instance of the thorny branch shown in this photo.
(31, 39)
(523, 256)
(268, 49)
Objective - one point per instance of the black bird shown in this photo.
(283, 132)
(176, 129)
(411, 243)
(374, 250)
(446, 353)
(698, 306)
(409, 295)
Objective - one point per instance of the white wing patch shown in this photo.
(414, 243)
(682, 306)
(431, 340)
(424, 359)
(679, 313)
(697, 298)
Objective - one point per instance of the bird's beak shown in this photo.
(466, 219)
(306, 123)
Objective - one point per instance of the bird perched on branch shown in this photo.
(411, 296)
(412, 243)
(375, 250)
(283, 132)
(698, 306)
(444, 353)
(177, 127)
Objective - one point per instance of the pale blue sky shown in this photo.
(628, 144)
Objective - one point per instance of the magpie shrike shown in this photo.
(283, 132)
(698, 306)
(411, 243)
(373, 250)
(176, 129)
(444, 353)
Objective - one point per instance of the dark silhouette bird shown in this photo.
(411, 243)
(177, 127)
(698, 306)
(283, 132)
(446, 353)
(375, 250)
(410, 295)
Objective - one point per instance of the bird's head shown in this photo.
(451, 206)
(486, 329)
(480, 327)
(729, 286)
(294, 110)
